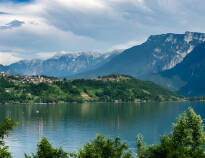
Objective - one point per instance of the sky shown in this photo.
(42, 28)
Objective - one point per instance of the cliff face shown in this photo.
(191, 72)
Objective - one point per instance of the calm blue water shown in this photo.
(72, 125)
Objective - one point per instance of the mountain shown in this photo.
(190, 72)
(158, 53)
(113, 88)
(172, 60)
(26, 67)
(3, 68)
(62, 65)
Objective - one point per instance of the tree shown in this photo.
(188, 131)
(141, 146)
(186, 140)
(5, 127)
(98, 148)
(104, 148)
(45, 150)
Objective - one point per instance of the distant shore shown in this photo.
(112, 88)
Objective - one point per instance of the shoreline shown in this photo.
(183, 100)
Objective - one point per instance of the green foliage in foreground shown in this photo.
(113, 88)
(5, 127)
(45, 150)
(98, 148)
(187, 140)
(104, 148)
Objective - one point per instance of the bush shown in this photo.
(186, 141)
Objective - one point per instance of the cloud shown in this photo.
(8, 58)
(127, 45)
(46, 55)
(77, 25)
(12, 24)
(17, 1)
(3, 13)
(81, 4)
(41, 37)
(104, 21)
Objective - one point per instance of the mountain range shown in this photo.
(175, 61)
(60, 65)
(158, 53)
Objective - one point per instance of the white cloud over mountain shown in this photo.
(76, 25)
(8, 58)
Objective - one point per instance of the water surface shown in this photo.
(72, 125)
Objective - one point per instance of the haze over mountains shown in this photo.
(172, 60)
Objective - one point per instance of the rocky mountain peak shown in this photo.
(77, 54)
(190, 36)
(172, 48)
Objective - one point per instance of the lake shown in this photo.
(72, 125)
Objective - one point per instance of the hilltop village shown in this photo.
(28, 79)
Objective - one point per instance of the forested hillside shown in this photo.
(113, 88)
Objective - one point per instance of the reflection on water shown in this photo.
(71, 125)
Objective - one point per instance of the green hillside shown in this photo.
(113, 88)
